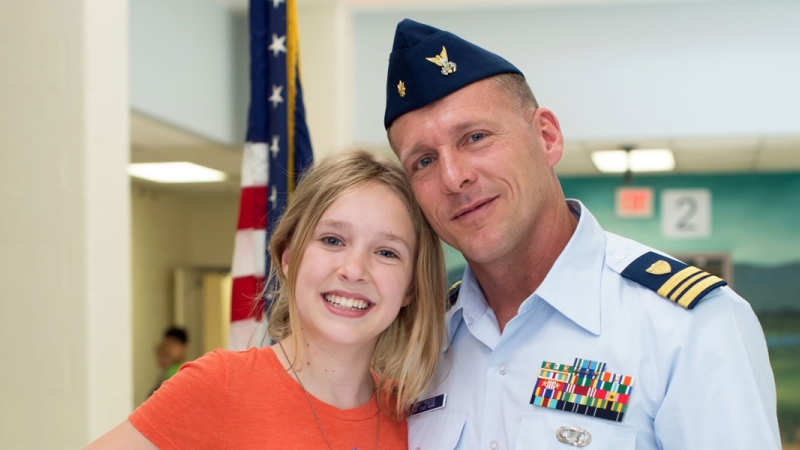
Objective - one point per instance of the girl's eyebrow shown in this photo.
(341, 224)
(395, 238)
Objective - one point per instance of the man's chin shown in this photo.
(483, 251)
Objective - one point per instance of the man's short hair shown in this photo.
(514, 84)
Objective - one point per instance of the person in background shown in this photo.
(357, 314)
(562, 335)
(171, 353)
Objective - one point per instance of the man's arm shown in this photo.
(721, 392)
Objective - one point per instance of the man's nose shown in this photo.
(456, 170)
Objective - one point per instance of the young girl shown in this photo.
(358, 314)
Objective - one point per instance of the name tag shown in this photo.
(431, 404)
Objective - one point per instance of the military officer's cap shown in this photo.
(427, 64)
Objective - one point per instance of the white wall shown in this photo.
(621, 71)
(190, 67)
(326, 70)
(64, 229)
(184, 68)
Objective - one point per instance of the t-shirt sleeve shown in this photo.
(188, 410)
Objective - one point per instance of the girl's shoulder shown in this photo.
(241, 362)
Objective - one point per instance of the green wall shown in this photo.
(754, 217)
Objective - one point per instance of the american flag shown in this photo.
(277, 149)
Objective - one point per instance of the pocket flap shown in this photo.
(435, 431)
(538, 430)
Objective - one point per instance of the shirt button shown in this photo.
(619, 254)
(493, 445)
(416, 448)
(501, 369)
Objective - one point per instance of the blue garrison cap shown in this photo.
(427, 64)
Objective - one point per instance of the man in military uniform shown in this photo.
(562, 335)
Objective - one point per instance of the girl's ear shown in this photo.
(410, 294)
(285, 260)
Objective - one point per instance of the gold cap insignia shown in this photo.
(401, 88)
(659, 267)
(441, 60)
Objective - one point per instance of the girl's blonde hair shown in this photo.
(407, 353)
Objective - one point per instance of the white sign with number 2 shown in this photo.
(686, 213)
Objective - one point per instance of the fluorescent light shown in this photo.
(175, 172)
(618, 161)
(654, 160)
(610, 161)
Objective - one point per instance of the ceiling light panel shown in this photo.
(175, 172)
(619, 161)
(610, 161)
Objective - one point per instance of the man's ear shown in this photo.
(285, 260)
(548, 131)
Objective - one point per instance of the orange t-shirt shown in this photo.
(246, 400)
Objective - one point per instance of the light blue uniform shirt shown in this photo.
(702, 378)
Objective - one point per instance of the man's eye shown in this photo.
(330, 240)
(476, 137)
(387, 253)
(424, 162)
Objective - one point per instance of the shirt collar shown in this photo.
(572, 286)
(470, 296)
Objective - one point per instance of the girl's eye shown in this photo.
(387, 253)
(330, 240)
(476, 137)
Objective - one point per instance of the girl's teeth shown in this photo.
(346, 303)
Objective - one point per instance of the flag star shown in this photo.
(276, 98)
(273, 198)
(278, 45)
(274, 148)
(275, 3)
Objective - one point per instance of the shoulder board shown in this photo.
(452, 294)
(683, 284)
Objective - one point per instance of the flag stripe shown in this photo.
(248, 253)
(255, 162)
(245, 295)
(253, 203)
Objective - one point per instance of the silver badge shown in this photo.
(574, 436)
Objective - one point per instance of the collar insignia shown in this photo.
(441, 60)
(401, 88)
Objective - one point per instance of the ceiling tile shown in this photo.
(716, 144)
(711, 161)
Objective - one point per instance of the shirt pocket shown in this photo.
(435, 432)
(538, 430)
